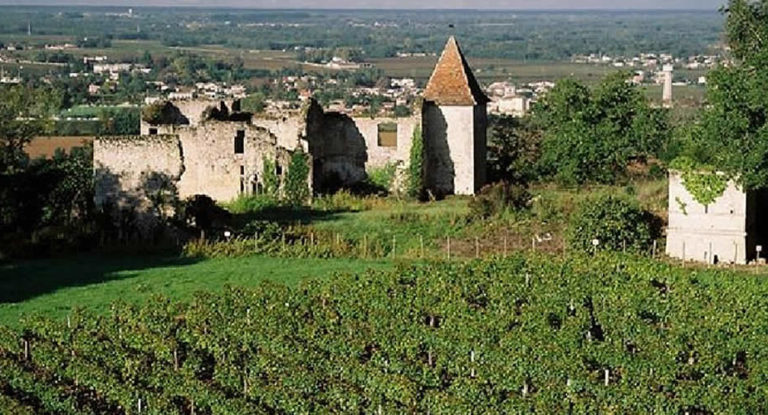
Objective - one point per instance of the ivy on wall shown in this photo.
(703, 183)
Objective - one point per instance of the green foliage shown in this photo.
(248, 203)
(24, 114)
(586, 335)
(270, 180)
(703, 183)
(746, 27)
(592, 135)
(162, 113)
(513, 149)
(415, 178)
(497, 198)
(296, 186)
(616, 222)
(383, 177)
(254, 103)
(731, 135)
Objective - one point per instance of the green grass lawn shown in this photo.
(52, 287)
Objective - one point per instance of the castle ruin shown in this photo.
(214, 149)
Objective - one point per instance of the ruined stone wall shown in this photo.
(701, 233)
(288, 130)
(449, 147)
(119, 163)
(380, 156)
(127, 169)
(213, 168)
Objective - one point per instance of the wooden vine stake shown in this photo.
(505, 245)
(448, 239)
(477, 247)
(175, 360)
(139, 405)
(26, 349)
(472, 360)
(394, 247)
(653, 250)
(421, 244)
(525, 389)
(607, 376)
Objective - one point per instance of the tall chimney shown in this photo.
(666, 97)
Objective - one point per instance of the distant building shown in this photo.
(667, 88)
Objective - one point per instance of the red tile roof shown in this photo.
(452, 82)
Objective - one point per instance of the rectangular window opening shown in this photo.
(153, 131)
(387, 135)
(240, 142)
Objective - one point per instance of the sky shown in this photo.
(397, 4)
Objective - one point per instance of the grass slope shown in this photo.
(53, 287)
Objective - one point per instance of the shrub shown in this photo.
(248, 203)
(416, 165)
(497, 198)
(383, 177)
(296, 184)
(617, 222)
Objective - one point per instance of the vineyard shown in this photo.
(605, 334)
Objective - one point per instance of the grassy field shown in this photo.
(52, 287)
(489, 70)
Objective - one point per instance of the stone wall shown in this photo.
(120, 162)
(213, 168)
(717, 232)
(380, 156)
(450, 145)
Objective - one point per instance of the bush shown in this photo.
(617, 222)
(383, 177)
(494, 199)
(248, 203)
(296, 182)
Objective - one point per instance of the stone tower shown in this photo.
(666, 96)
(454, 118)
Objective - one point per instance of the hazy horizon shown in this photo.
(542, 5)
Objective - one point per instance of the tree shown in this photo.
(731, 136)
(592, 135)
(746, 27)
(24, 114)
(513, 149)
(296, 181)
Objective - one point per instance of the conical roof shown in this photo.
(452, 82)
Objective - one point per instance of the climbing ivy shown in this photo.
(416, 164)
(702, 182)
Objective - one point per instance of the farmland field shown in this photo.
(52, 287)
(47, 146)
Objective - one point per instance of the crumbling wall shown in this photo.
(380, 156)
(126, 167)
(701, 233)
(337, 148)
(288, 130)
(213, 168)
